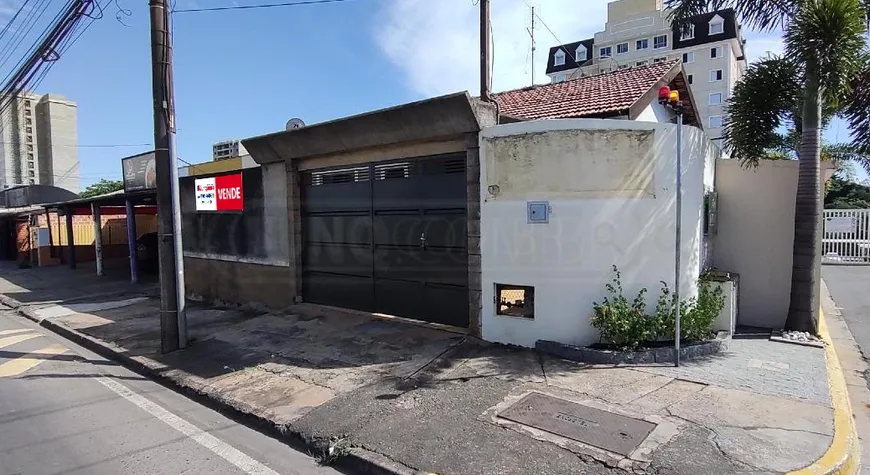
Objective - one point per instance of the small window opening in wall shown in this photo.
(515, 300)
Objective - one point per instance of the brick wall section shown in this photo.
(472, 175)
(294, 204)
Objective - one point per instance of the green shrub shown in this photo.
(621, 322)
(626, 325)
(697, 314)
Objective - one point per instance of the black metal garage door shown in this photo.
(388, 237)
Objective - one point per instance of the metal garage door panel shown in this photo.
(446, 304)
(445, 230)
(338, 259)
(337, 229)
(339, 290)
(445, 266)
(398, 297)
(337, 198)
(398, 229)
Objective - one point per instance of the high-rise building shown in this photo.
(39, 142)
(227, 149)
(639, 32)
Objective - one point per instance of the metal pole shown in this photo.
(176, 202)
(532, 33)
(131, 242)
(484, 50)
(677, 238)
(70, 238)
(161, 69)
(98, 237)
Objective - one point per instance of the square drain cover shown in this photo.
(602, 429)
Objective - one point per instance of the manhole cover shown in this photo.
(595, 427)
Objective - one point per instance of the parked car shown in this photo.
(146, 252)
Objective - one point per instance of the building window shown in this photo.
(515, 301)
(28, 121)
(605, 52)
(640, 63)
(716, 52)
(30, 138)
(623, 66)
(29, 130)
(29, 147)
(27, 103)
(580, 54)
(660, 41)
(689, 57)
(30, 156)
(622, 48)
(691, 78)
(604, 70)
(30, 164)
(31, 174)
(659, 60)
(27, 112)
(32, 181)
(715, 121)
(715, 75)
(559, 58)
(689, 34)
(642, 44)
(717, 25)
(715, 98)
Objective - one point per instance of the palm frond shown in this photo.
(762, 15)
(857, 112)
(844, 153)
(828, 36)
(761, 102)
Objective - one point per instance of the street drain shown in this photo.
(602, 429)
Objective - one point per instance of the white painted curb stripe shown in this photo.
(220, 448)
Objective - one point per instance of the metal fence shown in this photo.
(846, 237)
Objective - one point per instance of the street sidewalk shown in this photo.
(388, 396)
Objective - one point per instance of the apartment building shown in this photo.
(227, 149)
(39, 142)
(639, 32)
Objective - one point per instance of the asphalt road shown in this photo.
(66, 410)
(850, 287)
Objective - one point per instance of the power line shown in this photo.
(258, 6)
(109, 145)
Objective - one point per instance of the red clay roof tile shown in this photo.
(583, 97)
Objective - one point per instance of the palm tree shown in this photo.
(822, 74)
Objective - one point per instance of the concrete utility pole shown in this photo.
(173, 324)
(484, 51)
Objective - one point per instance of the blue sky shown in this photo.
(245, 72)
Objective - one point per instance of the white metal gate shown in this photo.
(846, 238)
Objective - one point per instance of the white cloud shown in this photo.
(435, 43)
(761, 44)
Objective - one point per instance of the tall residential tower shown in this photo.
(39, 142)
(639, 32)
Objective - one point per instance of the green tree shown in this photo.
(102, 187)
(822, 74)
(845, 194)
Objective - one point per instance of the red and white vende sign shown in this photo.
(220, 193)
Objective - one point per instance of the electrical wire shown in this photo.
(14, 17)
(570, 54)
(259, 6)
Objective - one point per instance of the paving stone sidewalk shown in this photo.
(428, 400)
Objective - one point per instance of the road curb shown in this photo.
(357, 460)
(843, 456)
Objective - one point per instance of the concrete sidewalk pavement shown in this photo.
(400, 397)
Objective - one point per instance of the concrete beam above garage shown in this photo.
(431, 119)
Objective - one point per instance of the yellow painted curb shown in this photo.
(843, 456)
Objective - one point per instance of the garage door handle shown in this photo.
(423, 240)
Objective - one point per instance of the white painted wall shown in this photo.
(756, 235)
(610, 185)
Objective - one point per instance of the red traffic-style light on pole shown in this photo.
(671, 100)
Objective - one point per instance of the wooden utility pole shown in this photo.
(173, 325)
(484, 51)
